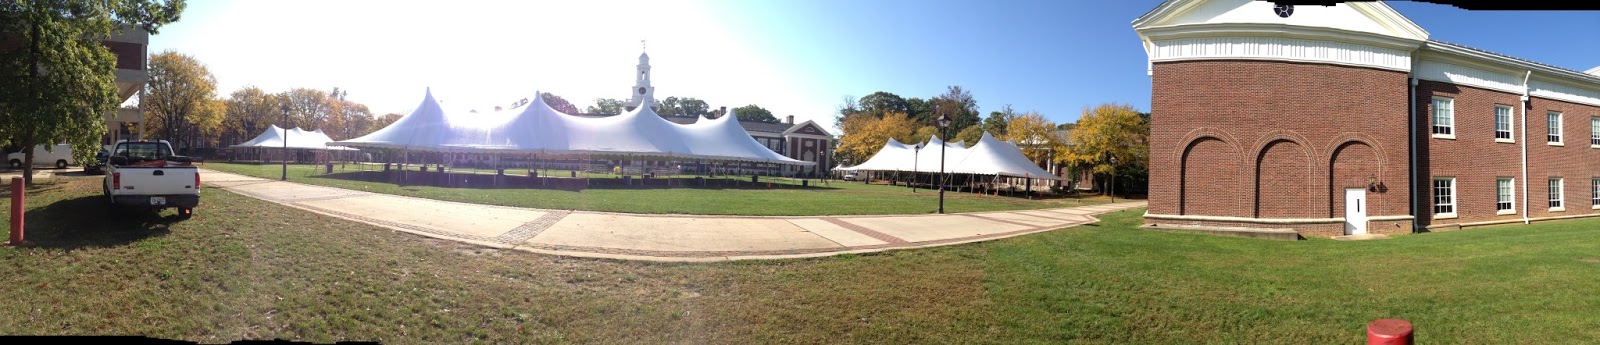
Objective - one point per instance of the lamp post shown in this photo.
(914, 157)
(285, 176)
(944, 124)
(1113, 187)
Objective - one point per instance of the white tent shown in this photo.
(540, 129)
(989, 156)
(273, 138)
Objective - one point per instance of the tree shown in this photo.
(383, 121)
(558, 103)
(865, 135)
(879, 103)
(308, 108)
(179, 100)
(1034, 134)
(689, 106)
(957, 104)
(924, 133)
(684, 106)
(754, 113)
(970, 135)
(998, 120)
(919, 110)
(1107, 131)
(1069, 126)
(605, 106)
(249, 112)
(57, 83)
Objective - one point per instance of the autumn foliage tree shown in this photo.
(1034, 134)
(558, 103)
(1110, 131)
(250, 111)
(867, 134)
(180, 101)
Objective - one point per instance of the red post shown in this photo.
(17, 201)
(1389, 332)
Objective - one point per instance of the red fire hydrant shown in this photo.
(1389, 332)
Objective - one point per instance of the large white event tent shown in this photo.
(539, 129)
(274, 138)
(989, 156)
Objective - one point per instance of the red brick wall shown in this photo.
(1312, 129)
(1476, 160)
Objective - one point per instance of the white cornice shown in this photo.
(1278, 30)
(1280, 49)
(1502, 62)
(1456, 65)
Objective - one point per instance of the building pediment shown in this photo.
(1373, 18)
(807, 128)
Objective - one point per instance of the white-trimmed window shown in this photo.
(1553, 136)
(1555, 194)
(1594, 193)
(1503, 195)
(1502, 123)
(1444, 197)
(1594, 132)
(1444, 117)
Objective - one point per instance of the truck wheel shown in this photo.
(16, 164)
(61, 164)
(185, 212)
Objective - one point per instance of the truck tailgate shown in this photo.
(158, 180)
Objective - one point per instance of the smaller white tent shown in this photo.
(274, 138)
(989, 156)
(994, 157)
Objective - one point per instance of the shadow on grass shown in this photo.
(418, 178)
(90, 222)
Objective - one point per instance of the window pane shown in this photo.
(1503, 195)
(1502, 122)
(1444, 196)
(1555, 192)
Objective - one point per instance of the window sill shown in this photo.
(1444, 216)
(1553, 143)
(1444, 136)
(1558, 209)
(1593, 146)
(1595, 207)
(1508, 141)
(1505, 212)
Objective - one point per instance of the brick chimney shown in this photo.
(788, 119)
(722, 111)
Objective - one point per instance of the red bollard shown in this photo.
(17, 198)
(1389, 332)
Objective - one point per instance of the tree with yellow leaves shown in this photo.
(1034, 134)
(1106, 132)
(180, 100)
(864, 135)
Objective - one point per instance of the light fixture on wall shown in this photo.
(1372, 182)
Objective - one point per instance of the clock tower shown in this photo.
(642, 92)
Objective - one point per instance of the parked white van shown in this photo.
(60, 156)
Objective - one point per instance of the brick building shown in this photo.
(1349, 119)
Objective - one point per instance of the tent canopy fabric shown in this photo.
(989, 156)
(274, 138)
(536, 128)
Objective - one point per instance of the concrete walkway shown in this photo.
(656, 237)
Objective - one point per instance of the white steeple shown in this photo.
(642, 92)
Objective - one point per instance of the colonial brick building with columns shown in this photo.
(1349, 119)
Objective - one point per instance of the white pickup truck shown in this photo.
(147, 174)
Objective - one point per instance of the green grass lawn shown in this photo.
(786, 198)
(244, 268)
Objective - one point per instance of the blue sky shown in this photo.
(794, 57)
